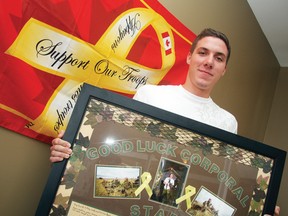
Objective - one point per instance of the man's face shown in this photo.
(207, 64)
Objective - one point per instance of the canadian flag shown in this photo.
(37, 87)
(167, 43)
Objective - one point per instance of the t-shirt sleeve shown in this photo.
(142, 94)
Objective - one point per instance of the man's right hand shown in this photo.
(60, 149)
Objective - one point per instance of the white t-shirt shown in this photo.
(176, 99)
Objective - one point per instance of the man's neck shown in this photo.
(196, 91)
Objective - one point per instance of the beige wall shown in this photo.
(24, 170)
(246, 90)
(277, 130)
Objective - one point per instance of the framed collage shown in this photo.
(130, 158)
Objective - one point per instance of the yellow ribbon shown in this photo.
(103, 64)
(189, 192)
(146, 178)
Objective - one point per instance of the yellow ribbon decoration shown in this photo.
(103, 64)
(146, 178)
(189, 192)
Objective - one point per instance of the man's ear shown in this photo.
(224, 71)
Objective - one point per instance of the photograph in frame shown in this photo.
(169, 182)
(108, 130)
(116, 182)
(207, 203)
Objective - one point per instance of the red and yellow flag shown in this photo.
(49, 48)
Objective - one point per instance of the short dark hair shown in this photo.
(208, 32)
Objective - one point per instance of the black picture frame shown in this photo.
(203, 141)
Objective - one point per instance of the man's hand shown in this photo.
(276, 212)
(60, 149)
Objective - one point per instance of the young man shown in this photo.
(207, 60)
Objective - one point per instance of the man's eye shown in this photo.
(219, 59)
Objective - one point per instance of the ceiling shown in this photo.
(272, 16)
